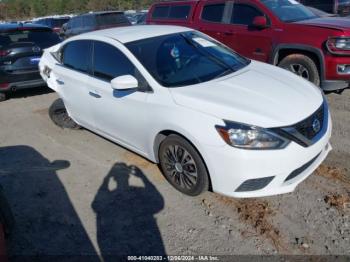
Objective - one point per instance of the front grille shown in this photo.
(254, 184)
(301, 169)
(306, 127)
(308, 131)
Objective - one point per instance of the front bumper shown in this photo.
(334, 85)
(230, 167)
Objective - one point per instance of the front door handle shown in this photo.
(94, 95)
(228, 33)
(60, 82)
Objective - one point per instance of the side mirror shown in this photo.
(260, 22)
(124, 82)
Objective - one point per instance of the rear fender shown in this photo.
(47, 65)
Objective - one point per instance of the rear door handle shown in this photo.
(94, 95)
(60, 82)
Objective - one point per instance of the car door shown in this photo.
(119, 115)
(255, 43)
(71, 76)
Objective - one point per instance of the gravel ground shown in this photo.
(73, 192)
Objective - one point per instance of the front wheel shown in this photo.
(182, 166)
(302, 66)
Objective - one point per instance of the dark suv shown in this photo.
(53, 22)
(94, 21)
(339, 7)
(21, 47)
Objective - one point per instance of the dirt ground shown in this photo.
(73, 192)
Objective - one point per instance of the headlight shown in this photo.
(250, 137)
(339, 45)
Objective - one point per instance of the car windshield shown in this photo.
(40, 37)
(185, 58)
(289, 10)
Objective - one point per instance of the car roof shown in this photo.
(102, 13)
(20, 26)
(133, 33)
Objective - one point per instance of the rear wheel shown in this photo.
(2, 97)
(303, 66)
(182, 166)
(60, 117)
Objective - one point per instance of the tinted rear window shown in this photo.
(77, 54)
(116, 65)
(179, 12)
(112, 19)
(41, 37)
(213, 13)
(161, 12)
(59, 22)
(172, 12)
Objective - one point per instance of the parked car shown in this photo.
(283, 33)
(209, 116)
(141, 19)
(94, 21)
(55, 23)
(339, 7)
(21, 47)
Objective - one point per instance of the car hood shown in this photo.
(260, 95)
(340, 23)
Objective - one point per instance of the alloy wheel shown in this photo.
(180, 167)
(300, 70)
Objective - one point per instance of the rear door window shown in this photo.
(179, 12)
(161, 12)
(77, 55)
(213, 12)
(116, 65)
(244, 14)
(175, 12)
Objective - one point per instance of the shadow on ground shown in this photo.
(46, 222)
(125, 214)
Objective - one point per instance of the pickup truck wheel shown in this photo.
(182, 166)
(303, 66)
(2, 97)
(60, 117)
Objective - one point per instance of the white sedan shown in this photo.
(212, 118)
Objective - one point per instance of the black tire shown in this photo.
(183, 178)
(60, 117)
(6, 217)
(2, 97)
(303, 66)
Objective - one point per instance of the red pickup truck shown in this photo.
(280, 32)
